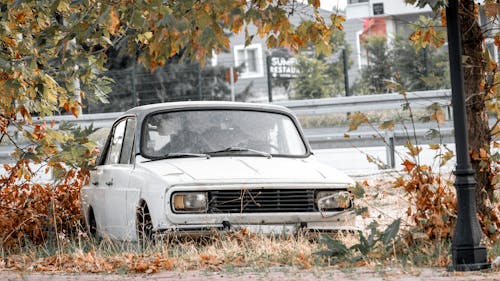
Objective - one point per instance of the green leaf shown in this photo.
(432, 134)
(391, 232)
(387, 125)
(363, 246)
(373, 233)
(335, 247)
(357, 190)
(360, 211)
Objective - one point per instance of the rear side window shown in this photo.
(128, 142)
(116, 144)
(121, 147)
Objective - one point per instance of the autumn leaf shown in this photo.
(491, 9)
(210, 260)
(416, 35)
(497, 41)
(314, 3)
(496, 144)
(483, 154)
(439, 116)
(412, 149)
(338, 21)
(408, 165)
(434, 146)
(113, 22)
(303, 261)
(356, 119)
(443, 17)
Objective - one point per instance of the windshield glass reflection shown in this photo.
(205, 131)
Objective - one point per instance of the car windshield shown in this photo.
(221, 132)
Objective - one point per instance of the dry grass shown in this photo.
(221, 251)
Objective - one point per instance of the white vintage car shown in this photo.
(190, 167)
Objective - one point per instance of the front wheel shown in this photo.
(92, 224)
(144, 225)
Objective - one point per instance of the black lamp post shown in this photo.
(467, 252)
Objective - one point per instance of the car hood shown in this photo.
(248, 169)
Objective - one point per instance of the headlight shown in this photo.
(334, 200)
(190, 202)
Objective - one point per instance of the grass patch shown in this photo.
(223, 251)
(228, 252)
(494, 250)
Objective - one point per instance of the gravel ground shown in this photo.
(364, 274)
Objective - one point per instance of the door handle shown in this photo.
(110, 182)
(96, 183)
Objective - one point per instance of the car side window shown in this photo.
(115, 147)
(128, 142)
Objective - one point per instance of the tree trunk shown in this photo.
(477, 116)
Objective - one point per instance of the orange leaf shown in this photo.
(443, 17)
(75, 111)
(303, 261)
(496, 144)
(474, 156)
(497, 42)
(408, 165)
(491, 9)
(438, 116)
(315, 3)
(114, 22)
(483, 154)
(415, 36)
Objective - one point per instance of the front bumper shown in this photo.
(275, 223)
(269, 221)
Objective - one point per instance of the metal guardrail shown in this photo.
(331, 138)
(305, 107)
(367, 103)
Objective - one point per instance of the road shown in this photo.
(353, 161)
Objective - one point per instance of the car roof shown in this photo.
(142, 111)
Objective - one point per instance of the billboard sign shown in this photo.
(282, 67)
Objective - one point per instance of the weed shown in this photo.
(495, 249)
(376, 240)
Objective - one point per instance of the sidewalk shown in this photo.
(275, 274)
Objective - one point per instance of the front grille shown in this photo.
(261, 201)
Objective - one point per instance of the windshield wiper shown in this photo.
(178, 155)
(240, 149)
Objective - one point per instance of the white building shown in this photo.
(369, 17)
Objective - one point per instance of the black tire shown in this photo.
(92, 225)
(144, 225)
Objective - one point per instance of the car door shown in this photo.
(115, 177)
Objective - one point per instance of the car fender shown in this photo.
(147, 188)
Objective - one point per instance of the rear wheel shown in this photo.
(144, 225)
